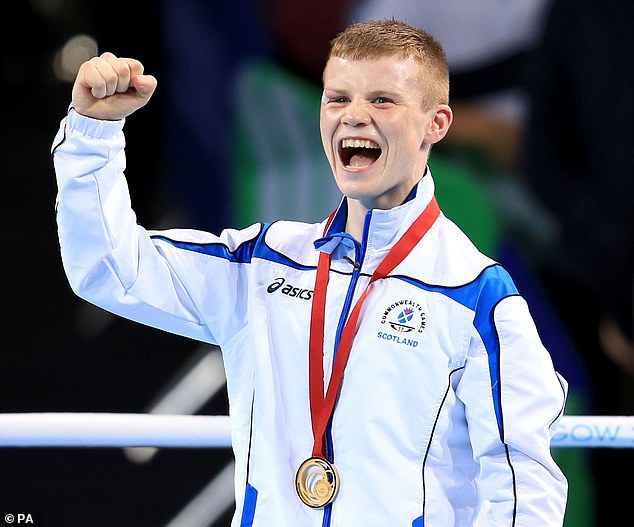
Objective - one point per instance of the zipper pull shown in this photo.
(356, 265)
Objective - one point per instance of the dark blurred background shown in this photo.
(537, 170)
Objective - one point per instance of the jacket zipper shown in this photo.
(356, 272)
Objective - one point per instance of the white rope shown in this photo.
(113, 430)
(595, 431)
(204, 431)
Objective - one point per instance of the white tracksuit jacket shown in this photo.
(448, 399)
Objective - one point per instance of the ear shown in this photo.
(439, 125)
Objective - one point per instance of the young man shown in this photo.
(381, 371)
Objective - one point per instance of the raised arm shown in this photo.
(158, 279)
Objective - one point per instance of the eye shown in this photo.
(382, 100)
(334, 97)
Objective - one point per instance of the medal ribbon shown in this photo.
(322, 407)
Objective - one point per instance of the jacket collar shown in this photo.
(382, 227)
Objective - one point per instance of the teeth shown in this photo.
(359, 143)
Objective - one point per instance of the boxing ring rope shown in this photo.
(85, 429)
(113, 430)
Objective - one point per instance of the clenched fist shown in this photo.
(109, 87)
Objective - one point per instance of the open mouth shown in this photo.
(358, 153)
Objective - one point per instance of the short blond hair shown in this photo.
(378, 39)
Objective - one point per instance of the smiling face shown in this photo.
(375, 131)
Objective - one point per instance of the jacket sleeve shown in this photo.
(513, 398)
(162, 280)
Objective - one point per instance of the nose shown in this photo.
(356, 114)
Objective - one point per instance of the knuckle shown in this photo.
(135, 66)
(122, 68)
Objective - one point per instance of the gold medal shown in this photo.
(317, 482)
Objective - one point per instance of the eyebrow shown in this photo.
(384, 93)
(371, 95)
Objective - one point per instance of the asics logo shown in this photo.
(289, 290)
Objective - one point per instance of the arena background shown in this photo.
(230, 137)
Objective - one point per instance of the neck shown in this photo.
(356, 219)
